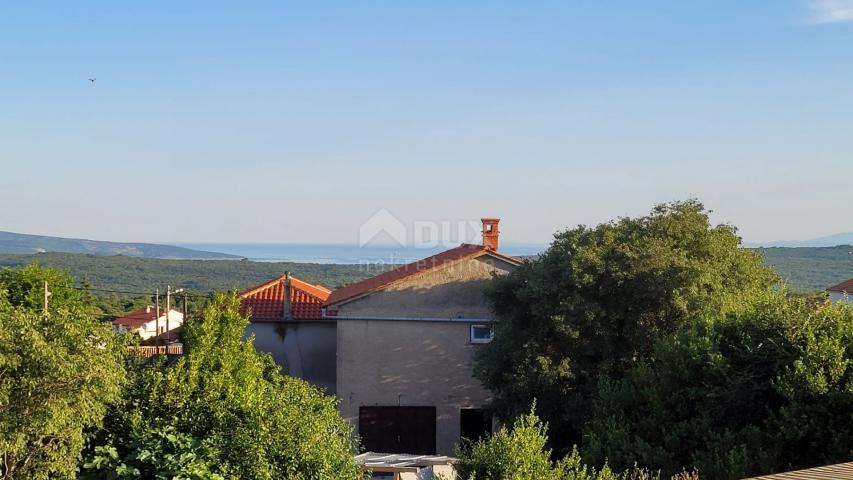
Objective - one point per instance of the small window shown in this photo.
(482, 333)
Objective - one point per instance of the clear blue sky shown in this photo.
(295, 122)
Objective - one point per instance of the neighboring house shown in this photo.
(146, 323)
(406, 341)
(287, 322)
(841, 292)
(839, 471)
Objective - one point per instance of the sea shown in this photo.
(343, 253)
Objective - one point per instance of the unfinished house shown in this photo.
(286, 320)
(406, 341)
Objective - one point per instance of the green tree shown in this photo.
(596, 301)
(58, 371)
(520, 453)
(762, 390)
(253, 422)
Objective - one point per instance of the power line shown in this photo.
(88, 289)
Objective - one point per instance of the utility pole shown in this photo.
(185, 307)
(168, 309)
(169, 293)
(157, 320)
(46, 294)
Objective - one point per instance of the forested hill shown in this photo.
(146, 274)
(804, 268)
(19, 243)
(811, 268)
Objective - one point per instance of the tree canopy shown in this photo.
(227, 408)
(58, 372)
(594, 304)
(763, 390)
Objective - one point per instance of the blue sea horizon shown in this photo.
(342, 253)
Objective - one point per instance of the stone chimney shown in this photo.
(287, 311)
(490, 233)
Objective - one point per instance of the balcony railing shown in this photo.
(149, 351)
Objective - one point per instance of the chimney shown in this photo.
(490, 233)
(287, 311)
(148, 309)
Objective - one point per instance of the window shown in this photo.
(482, 333)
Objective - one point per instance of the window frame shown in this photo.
(481, 341)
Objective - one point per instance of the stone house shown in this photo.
(406, 342)
(286, 320)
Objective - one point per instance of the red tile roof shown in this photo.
(266, 301)
(385, 279)
(843, 287)
(137, 318)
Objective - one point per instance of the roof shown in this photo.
(846, 286)
(138, 318)
(266, 301)
(839, 471)
(383, 280)
(400, 462)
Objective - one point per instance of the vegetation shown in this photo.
(20, 243)
(811, 269)
(763, 390)
(222, 411)
(58, 372)
(659, 342)
(520, 453)
(146, 274)
(595, 303)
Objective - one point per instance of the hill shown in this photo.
(146, 274)
(827, 241)
(811, 268)
(19, 243)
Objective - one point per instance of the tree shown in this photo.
(58, 372)
(595, 302)
(763, 390)
(520, 453)
(229, 408)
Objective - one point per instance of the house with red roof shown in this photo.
(406, 342)
(148, 324)
(841, 292)
(286, 320)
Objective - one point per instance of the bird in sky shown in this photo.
(92, 79)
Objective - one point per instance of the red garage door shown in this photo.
(397, 429)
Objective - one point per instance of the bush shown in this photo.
(253, 422)
(764, 390)
(520, 453)
(58, 372)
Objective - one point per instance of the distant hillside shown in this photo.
(811, 268)
(827, 241)
(146, 274)
(19, 243)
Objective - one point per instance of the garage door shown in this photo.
(397, 429)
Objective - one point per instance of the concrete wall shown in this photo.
(415, 362)
(303, 349)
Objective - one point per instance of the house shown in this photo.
(286, 321)
(838, 471)
(841, 292)
(148, 325)
(406, 342)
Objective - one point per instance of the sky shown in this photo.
(281, 122)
